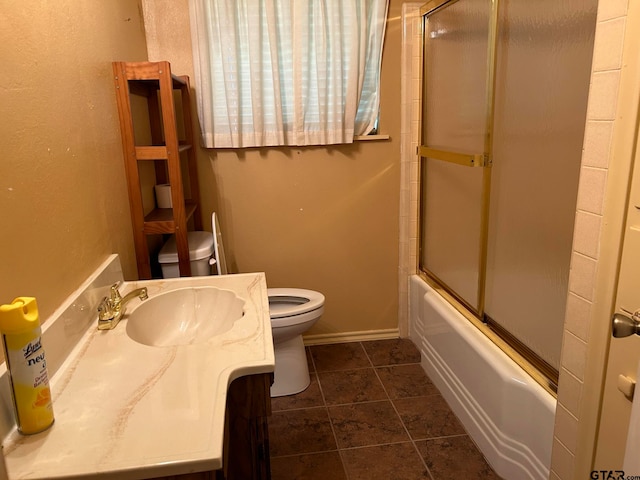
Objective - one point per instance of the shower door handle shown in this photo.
(625, 325)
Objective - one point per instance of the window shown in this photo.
(276, 72)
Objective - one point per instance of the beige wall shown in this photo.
(63, 197)
(313, 217)
(320, 218)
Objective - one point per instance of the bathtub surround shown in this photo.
(507, 413)
(410, 87)
(608, 154)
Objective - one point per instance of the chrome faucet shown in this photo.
(111, 308)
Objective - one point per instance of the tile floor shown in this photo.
(370, 413)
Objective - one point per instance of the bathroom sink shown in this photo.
(184, 316)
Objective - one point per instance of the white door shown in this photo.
(624, 353)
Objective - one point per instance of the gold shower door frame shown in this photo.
(539, 370)
(478, 160)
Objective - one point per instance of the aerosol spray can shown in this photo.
(27, 366)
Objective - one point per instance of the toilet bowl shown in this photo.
(293, 311)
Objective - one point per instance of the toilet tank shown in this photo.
(200, 252)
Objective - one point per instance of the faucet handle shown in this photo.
(115, 296)
(104, 309)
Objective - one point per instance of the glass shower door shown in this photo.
(544, 54)
(505, 86)
(456, 108)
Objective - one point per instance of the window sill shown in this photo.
(361, 138)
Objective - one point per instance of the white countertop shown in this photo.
(128, 411)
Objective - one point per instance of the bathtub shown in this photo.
(509, 416)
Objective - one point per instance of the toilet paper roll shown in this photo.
(163, 196)
(631, 458)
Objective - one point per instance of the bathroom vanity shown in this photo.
(128, 410)
(246, 435)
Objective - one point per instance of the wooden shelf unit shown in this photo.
(162, 91)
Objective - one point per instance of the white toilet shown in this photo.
(293, 311)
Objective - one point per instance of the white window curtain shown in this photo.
(286, 72)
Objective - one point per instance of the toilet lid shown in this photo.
(287, 302)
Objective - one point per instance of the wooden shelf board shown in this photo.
(157, 152)
(178, 81)
(151, 153)
(160, 220)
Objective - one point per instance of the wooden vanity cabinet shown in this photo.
(246, 430)
(246, 434)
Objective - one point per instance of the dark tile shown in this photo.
(311, 397)
(314, 466)
(428, 417)
(455, 458)
(293, 432)
(403, 381)
(341, 356)
(392, 352)
(362, 424)
(399, 461)
(351, 386)
(374, 439)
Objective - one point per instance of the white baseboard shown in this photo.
(327, 338)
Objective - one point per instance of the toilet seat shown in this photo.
(291, 302)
